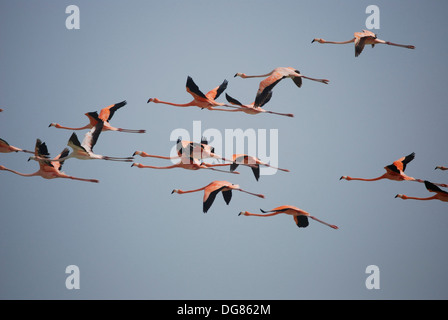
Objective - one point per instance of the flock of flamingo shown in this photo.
(191, 154)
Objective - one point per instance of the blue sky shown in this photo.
(132, 239)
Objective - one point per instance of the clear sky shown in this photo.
(132, 239)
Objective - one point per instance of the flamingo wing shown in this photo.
(297, 80)
(227, 196)
(193, 89)
(216, 92)
(107, 113)
(233, 100)
(301, 221)
(433, 188)
(256, 171)
(41, 151)
(4, 143)
(407, 159)
(58, 164)
(93, 117)
(264, 92)
(360, 43)
(209, 198)
(91, 137)
(74, 143)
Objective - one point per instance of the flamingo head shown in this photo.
(155, 100)
(244, 213)
(402, 196)
(137, 153)
(135, 164)
(175, 191)
(54, 125)
(32, 158)
(345, 177)
(2, 168)
(318, 40)
(242, 75)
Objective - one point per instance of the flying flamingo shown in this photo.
(251, 109)
(190, 149)
(106, 115)
(213, 188)
(441, 168)
(274, 77)
(203, 101)
(189, 164)
(440, 194)
(300, 216)
(364, 38)
(394, 171)
(49, 168)
(5, 147)
(252, 162)
(84, 150)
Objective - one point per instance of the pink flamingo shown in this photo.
(394, 171)
(440, 194)
(274, 77)
(363, 38)
(251, 109)
(300, 216)
(48, 168)
(213, 188)
(203, 101)
(105, 115)
(253, 162)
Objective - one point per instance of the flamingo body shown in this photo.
(212, 189)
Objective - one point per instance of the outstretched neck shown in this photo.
(189, 191)
(340, 42)
(23, 174)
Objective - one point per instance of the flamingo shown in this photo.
(213, 188)
(189, 164)
(203, 101)
(106, 115)
(49, 168)
(84, 150)
(274, 77)
(431, 187)
(363, 38)
(441, 168)
(193, 150)
(251, 109)
(5, 147)
(394, 171)
(252, 162)
(300, 216)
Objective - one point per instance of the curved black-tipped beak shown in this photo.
(396, 196)
(149, 100)
(340, 178)
(313, 40)
(239, 214)
(172, 192)
(49, 125)
(235, 75)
